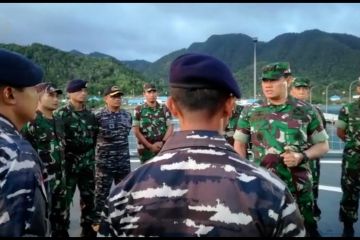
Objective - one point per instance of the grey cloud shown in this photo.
(148, 31)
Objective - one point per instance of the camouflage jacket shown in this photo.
(270, 128)
(46, 137)
(349, 120)
(321, 115)
(23, 202)
(153, 122)
(114, 129)
(198, 186)
(80, 130)
(231, 126)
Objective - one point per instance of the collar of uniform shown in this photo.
(157, 105)
(107, 110)
(71, 107)
(41, 115)
(196, 138)
(6, 124)
(289, 101)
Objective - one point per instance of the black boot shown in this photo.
(348, 229)
(311, 230)
(88, 232)
(317, 211)
(60, 234)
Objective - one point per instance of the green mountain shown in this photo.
(60, 67)
(323, 57)
(137, 65)
(102, 55)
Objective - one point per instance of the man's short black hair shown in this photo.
(203, 99)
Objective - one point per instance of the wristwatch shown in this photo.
(305, 157)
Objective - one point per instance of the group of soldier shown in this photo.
(194, 182)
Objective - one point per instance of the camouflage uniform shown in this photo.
(45, 135)
(349, 120)
(231, 126)
(315, 163)
(153, 124)
(80, 129)
(272, 128)
(23, 202)
(198, 186)
(315, 168)
(112, 152)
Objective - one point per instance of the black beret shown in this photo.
(194, 70)
(76, 85)
(18, 71)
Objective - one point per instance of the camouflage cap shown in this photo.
(276, 70)
(301, 82)
(149, 87)
(112, 90)
(48, 88)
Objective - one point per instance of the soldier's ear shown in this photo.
(173, 108)
(289, 80)
(229, 106)
(7, 95)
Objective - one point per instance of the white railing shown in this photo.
(336, 145)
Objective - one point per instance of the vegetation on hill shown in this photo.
(322, 57)
(60, 67)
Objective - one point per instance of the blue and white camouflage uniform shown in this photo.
(198, 186)
(112, 159)
(23, 201)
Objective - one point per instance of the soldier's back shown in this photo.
(198, 186)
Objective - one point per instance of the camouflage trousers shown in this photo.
(349, 204)
(299, 182)
(104, 176)
(84, 178)
(305, 200)
(315, 171)
(58, 203)
(145, 154)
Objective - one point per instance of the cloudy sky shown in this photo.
(130, 31)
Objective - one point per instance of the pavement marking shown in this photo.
(330, 188)
(331, 161)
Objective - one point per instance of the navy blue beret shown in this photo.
(194, 70)
(75, 85)
(18, 71)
